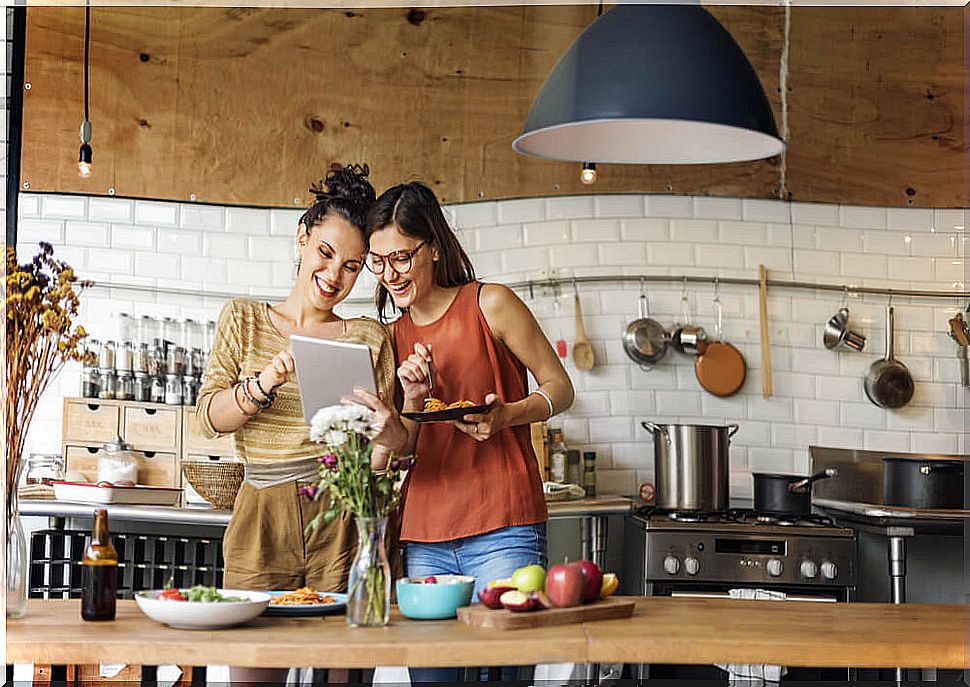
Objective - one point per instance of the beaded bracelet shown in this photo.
(239, 405)
(271, 396)
(262, 405)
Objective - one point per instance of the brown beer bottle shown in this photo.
(99, 566)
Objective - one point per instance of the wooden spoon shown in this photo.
(582, 349)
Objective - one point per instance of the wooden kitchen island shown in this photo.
(662, 630)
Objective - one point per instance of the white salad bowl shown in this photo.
(200, 615)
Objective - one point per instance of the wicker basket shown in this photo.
(216, 482)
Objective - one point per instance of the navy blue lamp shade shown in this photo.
(652, 84)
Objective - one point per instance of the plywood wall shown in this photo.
(247, 106)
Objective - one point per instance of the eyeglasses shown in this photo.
(401, 260)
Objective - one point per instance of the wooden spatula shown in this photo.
(582, 349)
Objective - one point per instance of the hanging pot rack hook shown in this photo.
(644, 293)
(575, 287)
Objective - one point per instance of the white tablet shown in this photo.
(326, 371)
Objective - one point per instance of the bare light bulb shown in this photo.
(84, 161)
(588, 175)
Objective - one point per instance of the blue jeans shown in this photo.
(489, 556)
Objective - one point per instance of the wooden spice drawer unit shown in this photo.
(194, 442)
(152, 428)
(90, 420)
(161, 435)
(154, 467)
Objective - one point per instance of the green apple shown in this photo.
(530, 578)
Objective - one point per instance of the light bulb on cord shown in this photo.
(85, 154)
(588, 175)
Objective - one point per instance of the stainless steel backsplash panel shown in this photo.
(860, 478)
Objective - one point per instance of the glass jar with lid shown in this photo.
(125, 328)
(124, 387)
(157, 392)
(107, 383)
(147, 329)
(123, 356)
(175, 365)
(170, 331)
(173, 390)
(142, 387)
(106, 356)
(44, 468)
(190, 390)
(140, 361)
(117, 463)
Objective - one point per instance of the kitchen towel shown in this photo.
(753, 674)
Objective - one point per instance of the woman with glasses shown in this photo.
(474, 503)
(250, 391)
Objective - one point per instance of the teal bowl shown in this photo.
(434, 601)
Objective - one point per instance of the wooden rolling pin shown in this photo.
(766, 387)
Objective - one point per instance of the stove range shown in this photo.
(740, 548)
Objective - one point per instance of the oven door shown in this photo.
(713, 676)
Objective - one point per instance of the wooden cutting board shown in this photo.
(500, 619)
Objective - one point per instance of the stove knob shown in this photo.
(691, 565)
(829, 571)
(671, 565)
(809, 569)
(774, 567)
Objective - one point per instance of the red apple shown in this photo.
(592, 579)
(490, 596)
(518, 602)
(565, 585)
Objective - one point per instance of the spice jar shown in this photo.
(139, 361)
(123, 357)
(106, 357)
(117, 463)
(142, 387)
(124, 387)
(190, 390)
(156, 359)
(157, 394)
(173, 390)
(107, 383)
(175, 364)
(44, 468)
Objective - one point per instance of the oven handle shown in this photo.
(724, 595)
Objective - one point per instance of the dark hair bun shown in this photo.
(346, 182)
(346, 191)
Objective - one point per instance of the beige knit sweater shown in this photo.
(245, 342)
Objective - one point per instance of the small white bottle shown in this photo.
(557, 457)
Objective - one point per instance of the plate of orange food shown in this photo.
(305, 601)
(438, 411)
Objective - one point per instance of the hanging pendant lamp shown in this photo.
(652, 84)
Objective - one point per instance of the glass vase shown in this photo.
(369, 587)
(17, 565)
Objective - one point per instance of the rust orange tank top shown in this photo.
(460, 487)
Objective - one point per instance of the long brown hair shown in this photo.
(414, 208)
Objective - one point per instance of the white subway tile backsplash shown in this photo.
(569, 207)
(862, 217)
(547, 233)
(649, 229)
(675, 254)
(693, 230)
(179, 241)
(815, 213)
(909, 219)
(156, 213)
(207, 217)
(757, 210)
(717, 208)
(32, 231)
(522, 210)
(156, 265)
(596, 230)
(69, 207)
(111, 210)
(623, 253)
(127, 236)
(669, 206)
(475, 215)
(247, 221)
(818, 393)
(619, 206)
(950, 220)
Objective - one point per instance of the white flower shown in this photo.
(330, 425)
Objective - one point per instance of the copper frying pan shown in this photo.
(720, 369)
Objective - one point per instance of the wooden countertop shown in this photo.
(662, 630)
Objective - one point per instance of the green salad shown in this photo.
(199, 593)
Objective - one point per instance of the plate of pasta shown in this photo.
(305, 601)
(439, 411)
